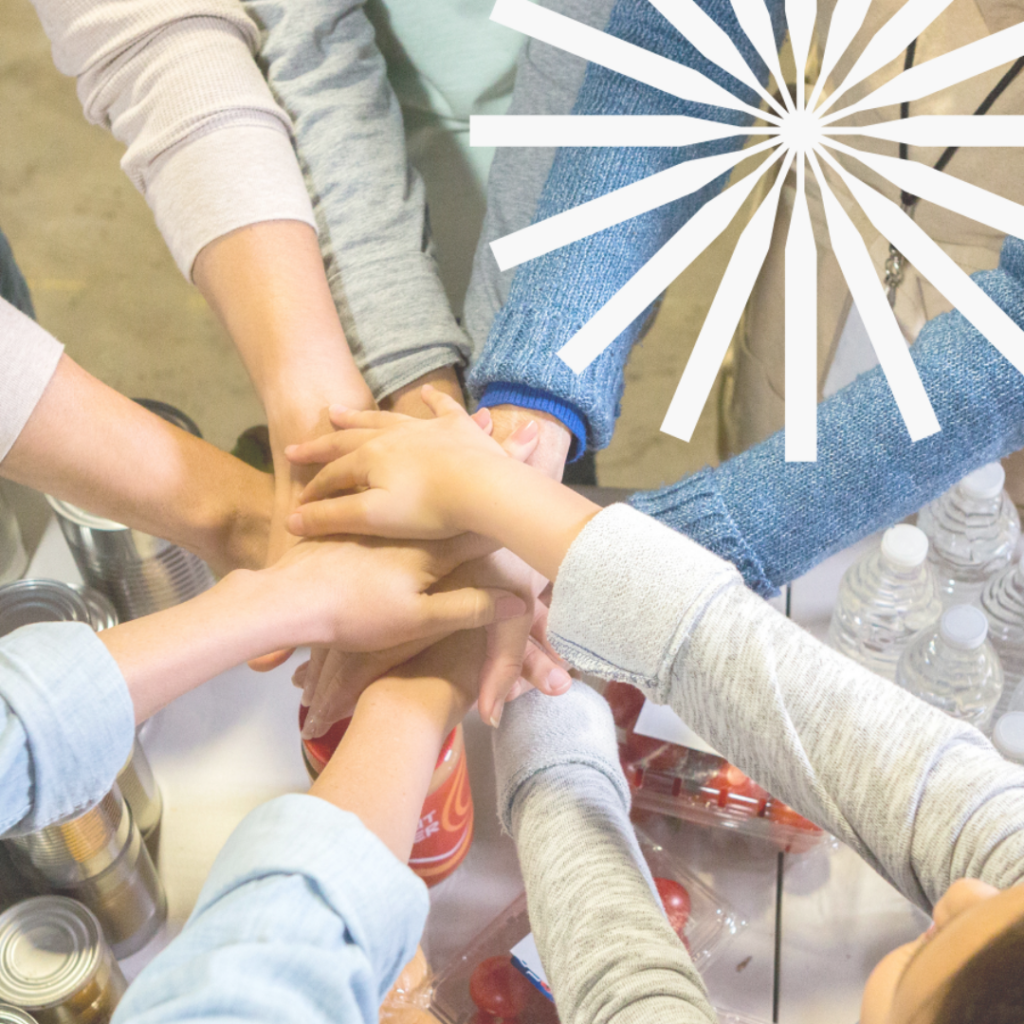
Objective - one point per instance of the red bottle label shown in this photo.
(445, 828)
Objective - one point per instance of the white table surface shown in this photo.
(233, 743)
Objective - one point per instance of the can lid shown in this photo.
(27, 601)
(986, 482)
(963, 626)
(1008, 735)
(12, 1015)
(905, 546)
(49, 948)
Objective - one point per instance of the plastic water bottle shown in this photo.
(1002, 601)
(1008, 736)
(954, 667)
(885, 598)
(973, 529)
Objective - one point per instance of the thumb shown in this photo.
(468, 608)
(522, 443)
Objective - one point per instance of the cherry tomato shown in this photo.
(793, 833)
(626, 702)
(540, 1010)
(676, 901)
(738, 791)
(497, 988)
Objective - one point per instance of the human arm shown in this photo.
(606, 946)
(775, 520)
(66, 433)
(552, 296)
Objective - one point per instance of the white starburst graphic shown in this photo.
(799, 131)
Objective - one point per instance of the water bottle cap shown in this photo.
(1008, 735)
(963, 626)
(986, 482)
(905, 546)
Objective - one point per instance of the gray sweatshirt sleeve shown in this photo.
(324, 67)
(925, 799)
(606, 946)
(176, 81)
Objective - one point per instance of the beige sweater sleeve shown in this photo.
(28, 359)
(176, 82)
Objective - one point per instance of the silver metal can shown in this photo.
(99, 859)
(30, 601)
(12, 1015)
(55, 964)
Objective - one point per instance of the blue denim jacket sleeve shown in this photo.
(66, 724)
(553, 296)
(306, 918)
(775, 520)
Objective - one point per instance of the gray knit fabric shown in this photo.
(608, 951)
(923, 798)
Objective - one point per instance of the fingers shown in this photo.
(268, 662)
(502, 667)
(343, 474)
(456, 551)
(543, 672)
(348, 514)
(368, 419)
(441, 404)
(483, 419)
(468, 608)
(522, 443)
(330, 446)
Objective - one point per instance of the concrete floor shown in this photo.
(105, 285)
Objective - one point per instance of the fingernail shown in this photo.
(294, 523)
(496, 715)
(509, 607)
(526, 433)
(337, 410)
(289, 449)
(932, 929)
(559, 680)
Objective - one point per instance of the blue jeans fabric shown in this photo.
(775, 520)
(553, 296)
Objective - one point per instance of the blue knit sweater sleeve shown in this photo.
(775, 520)
(553, 296)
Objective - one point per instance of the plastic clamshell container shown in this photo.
(712, 923)
(700, 787)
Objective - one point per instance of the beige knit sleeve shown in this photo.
(177, 83)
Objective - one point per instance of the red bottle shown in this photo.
(445, 829)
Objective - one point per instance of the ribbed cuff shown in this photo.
(227, 179)
(531, 398)
(694, 507)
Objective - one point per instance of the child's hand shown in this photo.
(414, 478)
(362, 594)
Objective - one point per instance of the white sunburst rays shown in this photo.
(799, 133)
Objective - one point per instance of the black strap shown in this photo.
(908, 199)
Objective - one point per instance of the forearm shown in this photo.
(776, 520)
(88, 444)
(856, 755)
(408, 400)
(323, 65)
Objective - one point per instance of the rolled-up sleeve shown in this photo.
(66, 724)
(177, 82)
(306, 917)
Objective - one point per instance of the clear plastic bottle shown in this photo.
(954, 667)
(1002, 601)
(1008, 736)
(885, 598)
(973, 529)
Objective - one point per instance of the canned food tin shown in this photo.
(30, 601)
(12, 1015)
(99, 859)
(444, 832)
(55, 964)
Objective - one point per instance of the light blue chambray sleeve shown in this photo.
(306, 918)
(66, 724)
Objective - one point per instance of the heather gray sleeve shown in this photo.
(609, 953)
(925, 799)
(28, 359)
(176, 82)
(323, 65)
